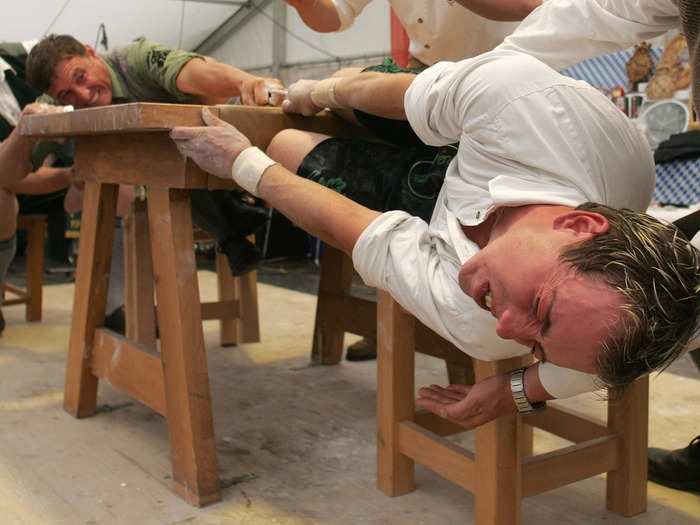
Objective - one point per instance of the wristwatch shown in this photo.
(517, 388)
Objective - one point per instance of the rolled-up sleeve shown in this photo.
(348, 10)
(561, 33)
(395, 253)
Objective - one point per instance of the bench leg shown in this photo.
(35, 269)
(138, 271)
(188, 397)
(627, 486)
(90, 299)
(227, 291)
(498, 492)
(335, 282)
(247, 292)
(395, 392)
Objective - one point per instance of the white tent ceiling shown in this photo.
(172, 22)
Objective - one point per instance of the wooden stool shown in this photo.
(337, 312)
(236, 307)
(32, 295)
(498, 473)
(129, 144)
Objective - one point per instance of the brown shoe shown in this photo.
(363, 350)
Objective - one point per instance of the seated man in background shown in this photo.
(74, 74)
(517, 241)
(17, 174)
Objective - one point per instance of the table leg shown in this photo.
(188, 397)
(90, 299)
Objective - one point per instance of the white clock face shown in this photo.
(666, 118)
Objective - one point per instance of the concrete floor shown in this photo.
(295, 443)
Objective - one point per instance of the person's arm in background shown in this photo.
(502, 10)
(319, 15)
(561, 33)
(44, 180)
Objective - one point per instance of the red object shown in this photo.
(399, 41)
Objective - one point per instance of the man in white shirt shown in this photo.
(511, 228)
(443, 30)
(554, 34)
(437, 31)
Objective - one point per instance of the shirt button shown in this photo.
(427, 46)
(420, 20)
(478, 214)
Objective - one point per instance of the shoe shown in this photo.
(246, 219)
(116, 321)
(2, 323)
(242, 255)
(678, 469)
(224, 215)
(363, 350)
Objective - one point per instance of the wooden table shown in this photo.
(129, 144)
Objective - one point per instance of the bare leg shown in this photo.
(289, 147)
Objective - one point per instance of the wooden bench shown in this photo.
(236, 307)
(32, 295)
(501, 470)
(129, 144)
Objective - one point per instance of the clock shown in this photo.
(665, 118)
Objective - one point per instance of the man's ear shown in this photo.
(581, 222)
(90, 50)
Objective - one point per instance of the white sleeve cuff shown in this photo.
(564, 382)
(248, 169)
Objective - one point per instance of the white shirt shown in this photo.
(438, 30)
(9, 108)
(527, 135)
(564, 32)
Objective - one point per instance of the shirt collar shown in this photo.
(4, 66)
(119, 90)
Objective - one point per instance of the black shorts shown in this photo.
(382, 177)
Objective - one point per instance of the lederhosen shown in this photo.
(400, 174)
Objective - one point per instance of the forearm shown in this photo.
(534, 390)
(15, 155)
(43, 180)
(322, 212)
(211, 81)
(379, 94)
(503, 10)
(319, 15)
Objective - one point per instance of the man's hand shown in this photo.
(470, 406)
(255, 91)
(39, 108)
(213, 147)
(299, 98)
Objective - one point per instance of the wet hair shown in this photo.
(46, 55)
(657, 271)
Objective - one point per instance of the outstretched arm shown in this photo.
(380, 94)
(213, 82)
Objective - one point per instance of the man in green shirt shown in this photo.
(72, 73)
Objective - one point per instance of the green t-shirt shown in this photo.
(147, 72)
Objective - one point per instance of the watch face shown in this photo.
(666, 118)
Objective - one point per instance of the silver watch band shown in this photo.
(517, 388)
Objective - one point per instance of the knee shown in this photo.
(290, 146)
(9, 208)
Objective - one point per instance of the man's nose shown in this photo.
(83, 95)
(515, 324)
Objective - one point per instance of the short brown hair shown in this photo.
(45, 56)
(657, 271)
